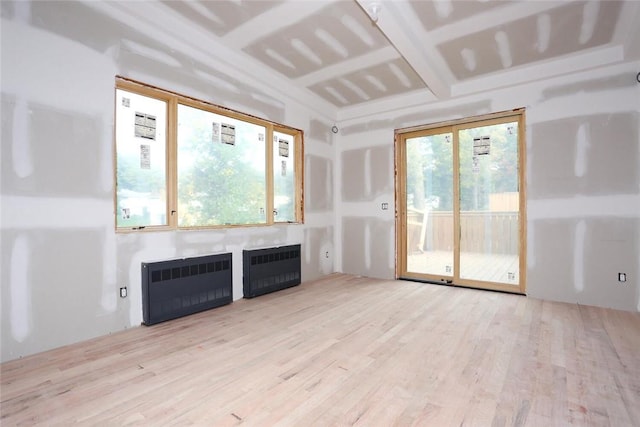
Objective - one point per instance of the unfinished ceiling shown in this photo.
(332, 52)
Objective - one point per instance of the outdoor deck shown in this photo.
(500, 268)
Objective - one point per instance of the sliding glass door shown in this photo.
(429, 203)
(460, 210)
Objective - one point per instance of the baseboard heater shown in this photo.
(176, 288)
(269, 270)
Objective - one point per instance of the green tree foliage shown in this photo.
(137, 186)
(131, 177)
(219, 183)
(430, 168)
(430, 172)
(496, 172)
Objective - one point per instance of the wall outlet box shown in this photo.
(123, 292)
(622, 277)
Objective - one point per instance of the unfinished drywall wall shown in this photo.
(367, 173)
(609, 244)
(366, 208)
(407, 118)
(571, 158)
(368, 246)
(320, 187)
(321, 131)
(62, 263)
(583, 183)
(318, 245)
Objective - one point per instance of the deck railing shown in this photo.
(488, 232)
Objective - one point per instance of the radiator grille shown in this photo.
(270, 270)
(177, 288)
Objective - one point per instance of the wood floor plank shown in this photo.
(345, 350)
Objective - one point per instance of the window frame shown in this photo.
(173, 99)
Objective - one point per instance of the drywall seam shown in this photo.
(367, 140)
(65, 86)
(501, 99)
(531, 244)
(415, 99)
(367, 246)
(620, 206)
(20, 311)
(391, 253)
(189, 39)
(590, 13)
(109, 300)
(22, 11)
(337, 203)
(582, 104)
(106, 153)
(543, 26)
(367, 173)
(21, 152)
(544, 70)
(583, 140)
(20, 212)
(578, 256)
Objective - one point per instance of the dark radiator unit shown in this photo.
(179, 287)
(270, 270)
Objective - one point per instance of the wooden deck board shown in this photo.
(475, 266)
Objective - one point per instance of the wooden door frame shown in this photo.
(454, 126)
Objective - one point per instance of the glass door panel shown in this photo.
(429, 205)
(489, 204)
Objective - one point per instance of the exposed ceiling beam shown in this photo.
(386, 105)
(392, 22)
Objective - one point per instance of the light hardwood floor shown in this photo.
(346, 350)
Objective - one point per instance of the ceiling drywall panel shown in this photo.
(334, 57)
(335, 33)
(434, 14)
(220, 16)
(531, 39)
(375, 82)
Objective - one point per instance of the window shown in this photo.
(221, 170)
(182, 163)
(284, 194)
(141, 153)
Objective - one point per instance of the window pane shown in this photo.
(429, 211)
(284, 177)
(221, 170)
(489, 204)
(141, 142)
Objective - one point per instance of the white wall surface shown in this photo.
(582, 174)
(62, 262)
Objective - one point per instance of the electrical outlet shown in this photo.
(622, 277)
(123, 292)
(385, 206)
